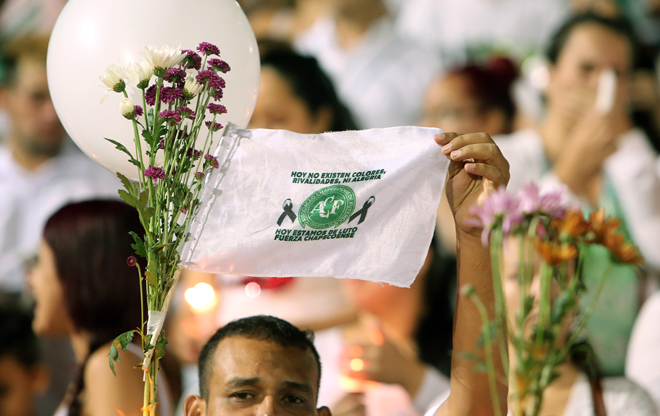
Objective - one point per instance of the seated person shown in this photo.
(22, 375)
(265, 366)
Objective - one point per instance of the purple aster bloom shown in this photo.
(208, 49)
(217, 109)
(552, 203)
(161, 144)
(175, 75)
(498, 205)
(194, 153)
(211, 160)
(192, 59)
(150, 95)
(138, 111)
(213, 126)
(529, 198)
(170, 94)
(171, 116)
(154, 173)
(131, 261)
(200, 175)
(219, 65)
(186, 112)
(216, 94)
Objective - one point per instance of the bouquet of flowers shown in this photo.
(552, 240)
(180, 92)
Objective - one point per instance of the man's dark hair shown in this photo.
(16, 337)
(11, 52)
(261, 327)
(619, 25)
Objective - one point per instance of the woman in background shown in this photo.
(85, 290)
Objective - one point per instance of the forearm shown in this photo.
(470, 391)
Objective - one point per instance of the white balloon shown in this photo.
(91, 34)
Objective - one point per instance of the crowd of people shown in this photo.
(531, 75)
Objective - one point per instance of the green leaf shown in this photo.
(139, 247)
(470, 356)
(123, 148)
(480, 368)
(122, 342)
(128, 198)
(160, 346)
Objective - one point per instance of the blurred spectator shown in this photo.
(40, 169)
(21, 17)
(473, 98)
(402, 339)
(282, 19)
(23, 377)
(466, 30)
(381, 77)
(84, 289)
(600, 157)
(296, 95)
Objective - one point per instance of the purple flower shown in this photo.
(208, 49)
(213, 126)
(214, 80)
(171, 116)
(186, 112)
(499, 205)
(217, 109)
(216, 94)
(212, 161)
(194, 153)
(161, 144)
(550, 203)
(175, 75)
(138, 111)
(200, 175)
(154, 173)
(150, 95)
(170, 94)
(192, 59)
(219, 65)
(131, 261)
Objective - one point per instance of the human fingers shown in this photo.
(462, 140)
(482, 152)
(444, 138)
(493, 174)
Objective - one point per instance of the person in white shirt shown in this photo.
(600, 157)
(40, 169)
(461, 31)
(380, 76)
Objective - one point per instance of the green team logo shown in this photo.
(328, 207)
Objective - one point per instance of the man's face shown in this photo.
(252, 377)
(34, 123)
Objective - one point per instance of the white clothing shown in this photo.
(382, 80)
(643, 359)
(30, 198)
(631, 170)
(459, 29)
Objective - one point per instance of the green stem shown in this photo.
(500, 306)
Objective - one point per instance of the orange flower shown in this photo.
(601, 226)
(573, 224)
(554, 253)
(623, 250)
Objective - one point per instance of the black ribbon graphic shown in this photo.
(363, 212)
(287, 205)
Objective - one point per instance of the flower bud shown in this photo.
(113, 78)
(191, 88)
(127, 108)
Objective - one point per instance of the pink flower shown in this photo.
(194, 153)
(217, 109)
(171, 116)
(550, 203)
(200, 175)
(499, 206)
(213, 126)
(186, 112)
(192, 59)
(150, 95)
(211, 160)
(175, 75)
(170, 94)
(154, 173)
(219, 65)
(138, 111)
(208, 49)
(131, 261)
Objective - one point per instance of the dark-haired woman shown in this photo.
(296, 95)
(85, 290)
(473, 98)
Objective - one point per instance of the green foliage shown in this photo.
(123, 148)
(122, 342)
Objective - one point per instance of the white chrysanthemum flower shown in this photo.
(113, 80)
(139, 74)
(161, 59)
(191, 88)
(127, 108)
